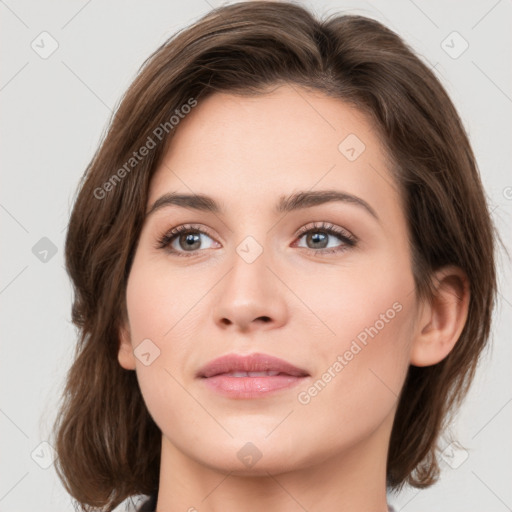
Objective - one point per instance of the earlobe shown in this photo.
(125, 353)
(442, 320)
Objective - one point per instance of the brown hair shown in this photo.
(107, 443)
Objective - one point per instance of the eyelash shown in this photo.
(349, 240)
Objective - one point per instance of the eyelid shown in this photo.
(327, 226)
(164, 240)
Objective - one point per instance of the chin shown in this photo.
(242, 457)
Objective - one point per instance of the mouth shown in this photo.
(250, 365)
(250, 376)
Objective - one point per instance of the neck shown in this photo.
(343, 482)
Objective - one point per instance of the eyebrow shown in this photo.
(292, 202)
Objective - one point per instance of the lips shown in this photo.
(251, 365)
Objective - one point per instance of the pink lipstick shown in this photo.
(250, 376)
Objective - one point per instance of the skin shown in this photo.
(328, 454)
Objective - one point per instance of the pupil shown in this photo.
(318, 238)
(191, 239)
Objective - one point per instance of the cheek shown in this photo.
(163, 308)
(160, 301)
(367, 330)
(155, 311)
(368, 300)
(362, 373)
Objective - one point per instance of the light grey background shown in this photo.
(54, 111)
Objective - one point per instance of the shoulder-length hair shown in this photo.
(107, 443)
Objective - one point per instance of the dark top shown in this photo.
(149, 505)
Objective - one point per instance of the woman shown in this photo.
(283, 264)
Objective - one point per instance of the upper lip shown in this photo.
(249, 363)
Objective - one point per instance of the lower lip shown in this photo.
(250, 387)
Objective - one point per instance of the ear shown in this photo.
(125, 354)
(442, 320)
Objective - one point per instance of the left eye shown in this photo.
(319, 234)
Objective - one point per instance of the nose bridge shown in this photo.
(251, 247)
(248, 279)
(249, 291)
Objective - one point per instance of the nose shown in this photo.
(250, 297)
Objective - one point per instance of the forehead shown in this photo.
(259, 147)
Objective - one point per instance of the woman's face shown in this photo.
(264, 274)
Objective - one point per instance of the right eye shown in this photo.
(182, 240)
